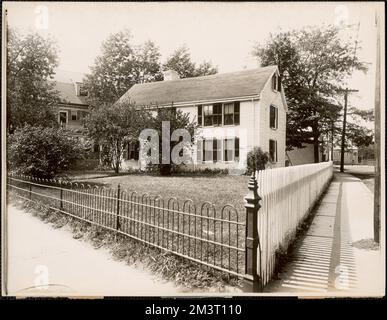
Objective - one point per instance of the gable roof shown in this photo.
(67, 93)
(246, 83)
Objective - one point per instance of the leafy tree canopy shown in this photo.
(314, 63)
(121, 65)
(31, 98)
(114, 126)
(180, 61)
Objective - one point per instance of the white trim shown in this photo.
(196, 102)
(67, 116)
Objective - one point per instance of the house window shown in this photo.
(217, 116)
(82, 90)
(208, 150)
(273, 150)
(217, 150)
(211, 150)
(273, 117)
(74, 117)
(63, 118)
(133, 150)
(231, 113)
(276, 83)
(228, 149)
(212, 115)
(208, 112)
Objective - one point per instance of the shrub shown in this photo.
(43, 152)
(256, 160)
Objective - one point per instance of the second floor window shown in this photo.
(219, 114)
(273, 117)
(212, 115)
(231, 113)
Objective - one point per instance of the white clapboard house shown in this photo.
(235, 111)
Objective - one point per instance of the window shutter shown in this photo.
(199, 146)
(276, 118)
(236, 148)
(214, 150)
(200, 115)
(236, 112)
(276, 155)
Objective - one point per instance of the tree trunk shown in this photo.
(117, 160)
(316, 153)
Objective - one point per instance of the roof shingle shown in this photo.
(67, 93)
(205, 88)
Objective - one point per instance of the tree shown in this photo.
(121, 65)
(43, 152)
(180, 61)
(204, 69)
(177, 120)
(358, 136)
(148, 62)
(313, 63)
(113, 126)
(31, 98)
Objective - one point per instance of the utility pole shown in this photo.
(377, 136)
(344, 127)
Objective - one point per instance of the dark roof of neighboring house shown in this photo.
(206, 88)
(67, 93)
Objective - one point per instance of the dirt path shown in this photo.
(47, 261)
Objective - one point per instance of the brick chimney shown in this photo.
(170, 75)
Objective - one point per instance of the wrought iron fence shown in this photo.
(214, 237)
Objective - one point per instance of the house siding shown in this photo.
(270, 97)
(245, 131)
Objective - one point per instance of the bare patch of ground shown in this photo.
(366, 244)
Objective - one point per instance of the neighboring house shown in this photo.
(351, 156)
(236, 111)
(72, 109)
(299, 156)
(366, 155)
(73, 106)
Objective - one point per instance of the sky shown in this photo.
(220, 32)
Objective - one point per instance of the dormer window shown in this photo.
(82, 90)
(276, 82)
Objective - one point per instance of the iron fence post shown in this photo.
(61, 196)
(252, 281)
(118, 208)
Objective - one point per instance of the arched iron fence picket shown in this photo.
(204, 233)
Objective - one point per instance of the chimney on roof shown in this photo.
(170, 75)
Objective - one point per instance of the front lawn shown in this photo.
(218, 189)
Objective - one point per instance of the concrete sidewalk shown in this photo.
(336, 256)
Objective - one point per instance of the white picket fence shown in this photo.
(288, 194)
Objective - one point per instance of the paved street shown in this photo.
(334, 257)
